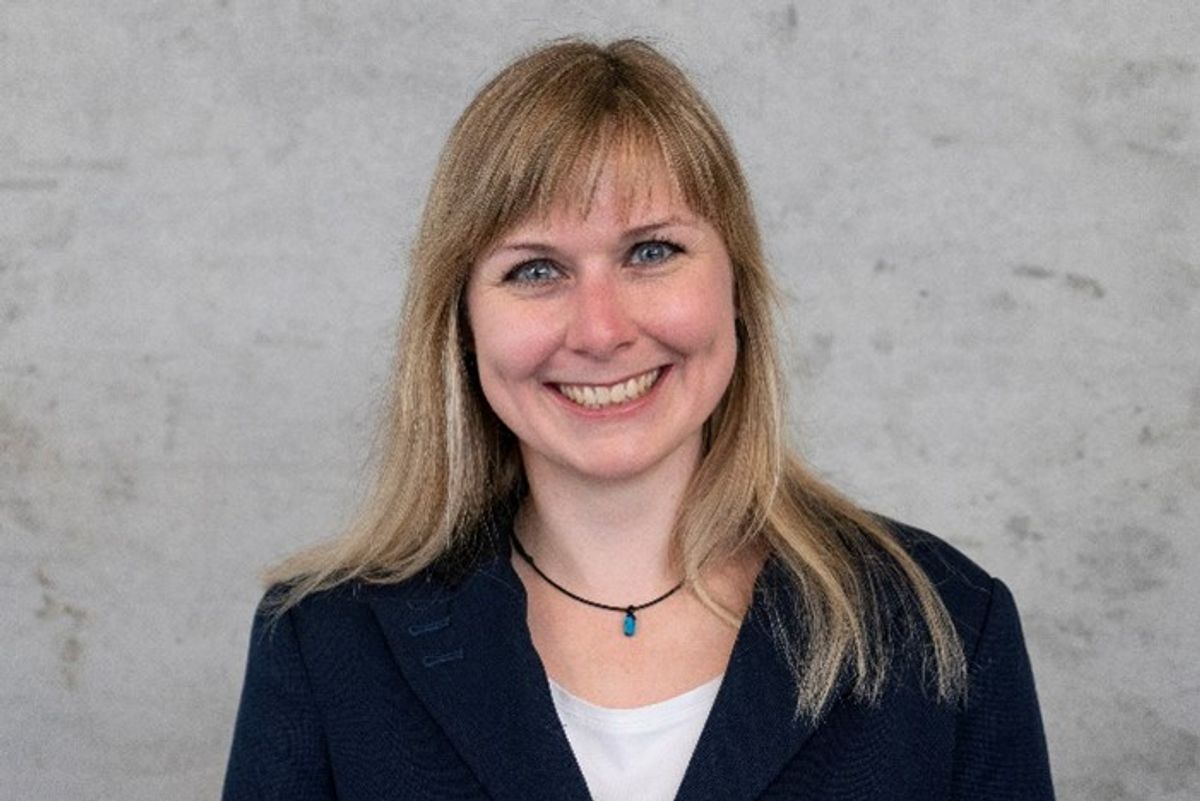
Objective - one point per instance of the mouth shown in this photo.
(603, 396)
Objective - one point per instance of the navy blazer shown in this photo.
(432, 689)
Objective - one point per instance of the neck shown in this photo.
(609, 541)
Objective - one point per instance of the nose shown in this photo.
(601, 317)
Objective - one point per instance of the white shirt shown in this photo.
(637, 754)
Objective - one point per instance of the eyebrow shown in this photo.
(632, 233)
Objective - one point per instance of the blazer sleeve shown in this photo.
(279, 749)
(1000, 750)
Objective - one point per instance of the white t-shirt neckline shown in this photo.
(636, 753)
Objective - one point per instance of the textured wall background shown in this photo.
(987, 217)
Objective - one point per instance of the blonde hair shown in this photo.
(537, 134)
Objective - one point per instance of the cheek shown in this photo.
(699, 318)
(509, 344)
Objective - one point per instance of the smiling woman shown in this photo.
(591, 567)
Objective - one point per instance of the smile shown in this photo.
(595, 396)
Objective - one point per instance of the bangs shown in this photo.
(542, 137)
(623, 154)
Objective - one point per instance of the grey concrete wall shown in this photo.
(985, 216)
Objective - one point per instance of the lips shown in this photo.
(600, 396)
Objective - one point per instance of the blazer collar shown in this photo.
(466, 651)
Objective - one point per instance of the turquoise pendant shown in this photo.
(630, 622)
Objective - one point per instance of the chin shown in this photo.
(619, 466)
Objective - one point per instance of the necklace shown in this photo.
(630, 625)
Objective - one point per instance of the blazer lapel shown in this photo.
(751, 732)
(466, 652)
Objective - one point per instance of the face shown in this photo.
(605, 341)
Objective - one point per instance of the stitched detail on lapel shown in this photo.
(493, 704)
(433, 660)
(417, 629)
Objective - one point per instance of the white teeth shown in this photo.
(597, 397)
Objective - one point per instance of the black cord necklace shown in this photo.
(630, 627)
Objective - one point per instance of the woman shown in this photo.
(590, 565)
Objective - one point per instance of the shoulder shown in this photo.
(478, 561)
(968, 591)
(948, 567)
(330, 619)
(349, 615)
(332, 645)
(999, 740)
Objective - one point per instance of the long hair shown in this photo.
(539, 135)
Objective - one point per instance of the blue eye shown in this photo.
(537, 271)
(654, 252)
